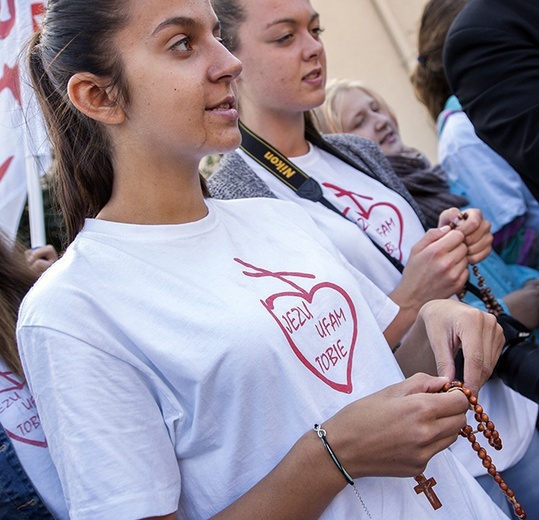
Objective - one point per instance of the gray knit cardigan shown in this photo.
(234, 179)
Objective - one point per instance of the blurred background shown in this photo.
(376, 41)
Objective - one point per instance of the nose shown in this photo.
(314, 48)
(224, 65)
(381, 120)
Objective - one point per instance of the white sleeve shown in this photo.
(104, 427)
(486, 178)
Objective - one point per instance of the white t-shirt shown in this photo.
(500, 401)
(19, 418)
(371, 208)
(178, 364)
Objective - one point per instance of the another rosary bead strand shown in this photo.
(486, 426)
(492, 305)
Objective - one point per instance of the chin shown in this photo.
(228, 143)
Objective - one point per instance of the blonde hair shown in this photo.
(328, 116)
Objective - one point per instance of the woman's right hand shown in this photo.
(437, 268)
(396, 431)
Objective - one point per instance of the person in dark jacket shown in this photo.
(491, 58)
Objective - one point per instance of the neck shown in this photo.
(148, 193)
(285, 132)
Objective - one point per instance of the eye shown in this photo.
(358, 123)
(317, 32)
(183, 45)
(284, 39)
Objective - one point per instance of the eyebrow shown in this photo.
(184, 21)
(291, 21)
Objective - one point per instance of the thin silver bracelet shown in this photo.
(322, 434)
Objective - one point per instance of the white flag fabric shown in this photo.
(23, 143)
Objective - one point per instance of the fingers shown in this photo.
(448, 216)
(425, 422)
(41, 258)
(449, 325)
(482, 342)
(418, 383)
(476, 231)
(479, 242)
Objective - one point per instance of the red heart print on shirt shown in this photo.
(14, 396)
(320, 325)
(382, 221)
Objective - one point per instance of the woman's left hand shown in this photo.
(441, 328)
(475, 228)
(448, 325)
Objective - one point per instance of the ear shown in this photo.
(94, 97)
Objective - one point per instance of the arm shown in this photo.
(306, 480)
(437, 268)
(488, 180)
(523, 304)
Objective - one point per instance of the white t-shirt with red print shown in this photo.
(389, 220)
(21, 423)
(179, 364)
(373, 212)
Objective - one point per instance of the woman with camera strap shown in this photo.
(283, 78)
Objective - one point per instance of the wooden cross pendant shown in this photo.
(425, 485)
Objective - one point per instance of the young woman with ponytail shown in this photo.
(173, 350)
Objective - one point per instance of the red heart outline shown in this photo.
(309, 297)
(365, 213)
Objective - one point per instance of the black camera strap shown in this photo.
(295, 178)
(304, 186)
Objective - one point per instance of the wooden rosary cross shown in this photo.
(425, 485)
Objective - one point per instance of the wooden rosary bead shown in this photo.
(487, 427)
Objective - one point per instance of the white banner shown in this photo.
(24, 148)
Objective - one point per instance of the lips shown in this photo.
(387, 138)
(225, 104)
(313, 74)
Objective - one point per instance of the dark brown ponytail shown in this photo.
(77, 36)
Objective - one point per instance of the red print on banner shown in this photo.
(320, 324)
(10, 80)
(381, 218)
(4, 167)
(7, 25)
(38, 11)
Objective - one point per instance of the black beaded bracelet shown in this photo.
(322, 434)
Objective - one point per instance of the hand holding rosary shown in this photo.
(485, 425)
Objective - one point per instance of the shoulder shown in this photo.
(373, 161)
(234, 179)
(355, 146)
(459, 130)
(259, 208)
